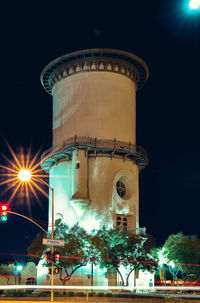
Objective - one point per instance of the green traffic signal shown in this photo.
(4, 218)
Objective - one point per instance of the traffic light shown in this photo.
(3, 212)
(48, 257)
(56, 257)
(56, 270)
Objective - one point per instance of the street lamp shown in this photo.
(18, 273)
(25, 175)
(19, 267)
(194, 4)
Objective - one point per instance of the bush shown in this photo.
(93, 294)
(70, 294)
(80, 294)
(44, 294)
(100, 294)
(124, 294)
(15, 293)
(108, 294)
(58, 294)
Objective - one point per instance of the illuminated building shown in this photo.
(94, 161)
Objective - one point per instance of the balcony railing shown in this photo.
(94, 146)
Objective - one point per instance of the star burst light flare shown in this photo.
(23, 173)
(194, 4)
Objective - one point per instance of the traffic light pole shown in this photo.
(52, 236)
(52, 247)
(52, 231)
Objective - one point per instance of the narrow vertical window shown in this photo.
(121, 222)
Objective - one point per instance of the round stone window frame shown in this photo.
(127, 178)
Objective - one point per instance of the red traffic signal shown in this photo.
(3, 212)
(3, 207)
(56, 257)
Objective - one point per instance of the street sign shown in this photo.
(53, 242)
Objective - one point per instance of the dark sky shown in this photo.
(167, 38)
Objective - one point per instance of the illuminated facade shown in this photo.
(94, 161)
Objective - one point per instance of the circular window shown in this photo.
(121, 188)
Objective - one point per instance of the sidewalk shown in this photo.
(137, 299)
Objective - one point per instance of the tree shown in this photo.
(74, 254)
(76, 251)
(170, 270)
(110, 248)
(119, 247)
(184, 252)
(36, 249)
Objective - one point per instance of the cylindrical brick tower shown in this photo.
(94, 161)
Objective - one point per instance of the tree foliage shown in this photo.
(109, 248)
(76, 251)
(119, 247)
(36, 248)
(74, 254)
(184, 251)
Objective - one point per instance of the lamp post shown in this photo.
(25, 176)
(52, 236)
(19, 269)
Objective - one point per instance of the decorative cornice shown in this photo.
(90, 60)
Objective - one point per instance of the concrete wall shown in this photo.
(97, 104)
(103, 202)
(101, 105)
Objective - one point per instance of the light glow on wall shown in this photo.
(90, 223)
(41, 267)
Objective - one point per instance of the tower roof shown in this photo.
(99, 59)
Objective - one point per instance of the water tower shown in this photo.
(94, 161)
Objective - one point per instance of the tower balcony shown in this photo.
(95, 148)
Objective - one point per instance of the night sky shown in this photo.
(167, 37)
